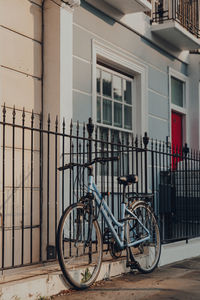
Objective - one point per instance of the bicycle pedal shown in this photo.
(132, 264)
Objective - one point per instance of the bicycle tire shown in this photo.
(79, 258)
(147, 253)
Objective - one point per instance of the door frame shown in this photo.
(181, 110)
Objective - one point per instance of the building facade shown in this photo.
(134, 45)
(112, 45)
(133, 66)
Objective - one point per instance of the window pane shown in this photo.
(127, 117)
(103, 151)
(104, 134)
(127, 92)
(177, 91)
(116, 140)
(98, 109)
(125, 163)
(107, 112)
(98, 81)
(106, 77)
(117, 88)
(117, 115)
(115, 137)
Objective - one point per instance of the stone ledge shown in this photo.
(47, 280)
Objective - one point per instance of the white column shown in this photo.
(66, 60)
(58, 100)
(66, 41)
(58, 58)
(66, 83)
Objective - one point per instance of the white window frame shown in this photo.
(132, 105)
(181, 110)
(118, 58)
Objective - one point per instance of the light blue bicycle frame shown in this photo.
(109, 217)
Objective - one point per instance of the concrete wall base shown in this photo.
(179, 251)
(50, 282)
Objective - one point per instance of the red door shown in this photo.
(177, 137)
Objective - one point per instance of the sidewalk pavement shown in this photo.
(180, 280)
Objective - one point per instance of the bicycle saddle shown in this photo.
(126, 180)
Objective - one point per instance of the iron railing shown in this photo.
(34, 193)
(185, 12)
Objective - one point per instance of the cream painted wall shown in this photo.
(20, 53)
(51, 58)
(20, 85)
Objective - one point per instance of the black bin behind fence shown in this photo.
(34, 193)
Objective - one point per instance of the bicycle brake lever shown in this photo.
(67, 166)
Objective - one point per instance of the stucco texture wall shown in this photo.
(20, 85)
(20, 53)
(92, 24)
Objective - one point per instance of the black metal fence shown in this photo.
(34, 193)
(184, 12)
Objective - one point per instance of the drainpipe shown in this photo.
(41, 136)
(42, 62)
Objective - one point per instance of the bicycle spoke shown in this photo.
(82, 263)
(146, 253)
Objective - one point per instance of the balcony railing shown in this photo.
(185, 12)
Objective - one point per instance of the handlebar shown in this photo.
(101, 160)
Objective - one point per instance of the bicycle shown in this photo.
(79, 239)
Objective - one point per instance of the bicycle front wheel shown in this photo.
(79, 246)
(146, 253)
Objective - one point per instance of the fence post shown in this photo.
(145, 142)
(13, 186)
(185, 153)
(154, 204)
(41, 184)
(90, 129)
(3, 188)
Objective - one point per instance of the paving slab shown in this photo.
(176, 281)
(45, 280)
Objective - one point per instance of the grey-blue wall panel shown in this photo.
(158, 81)
(158, 129)
(82, 79)
(82, 107)
(82, 43)
(106, 29)
(158, 105)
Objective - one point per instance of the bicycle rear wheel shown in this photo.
(79, 249)
(146, 253)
